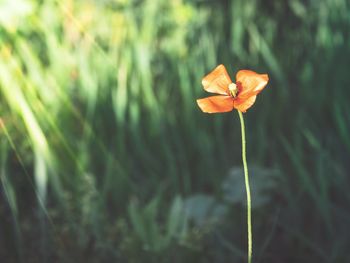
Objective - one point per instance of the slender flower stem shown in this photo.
(247, 187)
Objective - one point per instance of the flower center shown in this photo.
(233, 90)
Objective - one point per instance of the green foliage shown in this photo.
(105, 156)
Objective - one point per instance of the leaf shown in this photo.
(262, 184)
(175, 218)
(204, 209)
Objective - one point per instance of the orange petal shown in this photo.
(244, 104)
(217, 81)
(250, 82)
(215, 104)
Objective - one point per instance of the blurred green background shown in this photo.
(105, 156)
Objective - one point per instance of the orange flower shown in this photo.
(240, 96)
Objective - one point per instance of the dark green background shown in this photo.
(105, 156)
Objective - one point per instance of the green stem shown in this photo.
(247, 187)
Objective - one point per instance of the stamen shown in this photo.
(233, 90)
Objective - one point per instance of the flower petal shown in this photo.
(244, 104)
(216, 104)
(250, 82)
(217, 81)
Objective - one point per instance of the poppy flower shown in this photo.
(240, 95)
